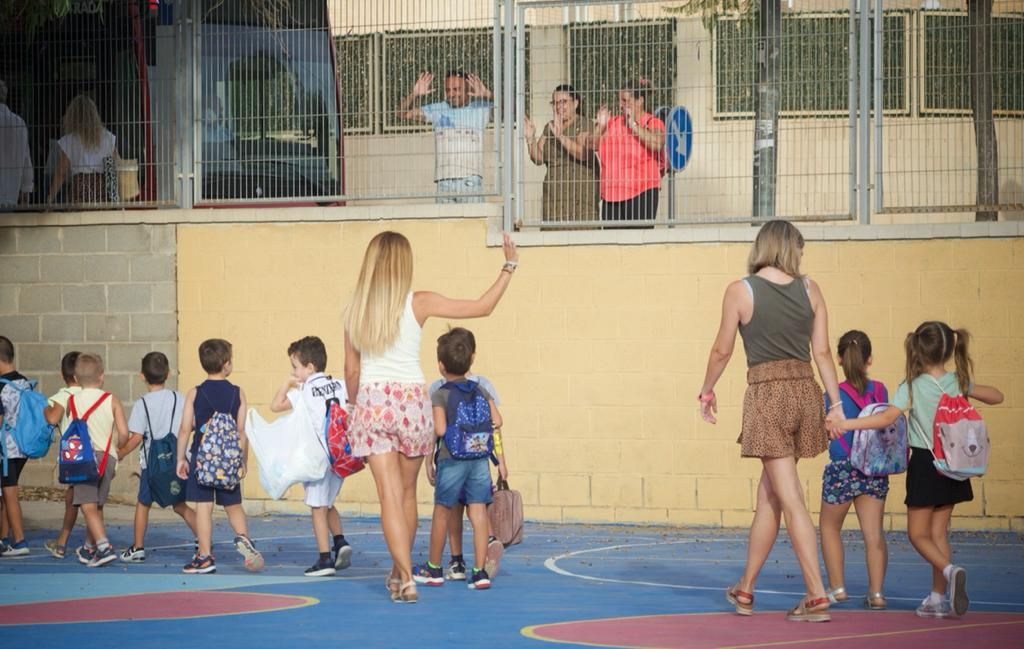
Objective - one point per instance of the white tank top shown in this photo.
(401, 361)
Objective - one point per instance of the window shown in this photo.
(356, 58)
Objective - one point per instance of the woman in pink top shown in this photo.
(629, 146)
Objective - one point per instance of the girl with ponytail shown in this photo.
(843, 485)
(931, 496)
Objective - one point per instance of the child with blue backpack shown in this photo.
(56, 413)
(843, 484)
(931, 493)
(153, 423)
(14, 459)
(465, 416)
(307, 386)
(215, 410)
(96, 416)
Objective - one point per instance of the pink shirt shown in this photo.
(628, 168)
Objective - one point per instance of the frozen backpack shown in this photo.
(469, 434)
(165, 486)
(877, 451)
(219, 459)
(339, 447)
(76, 463)
(959, 438)
(30, 430)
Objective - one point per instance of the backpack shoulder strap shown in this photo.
(103, 397)
(174, 406)
(852, 393)
(149, 425)
(71, 407)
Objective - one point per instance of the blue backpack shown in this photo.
(31, 432)
(166, 488)
(76, 463)
(470, 431)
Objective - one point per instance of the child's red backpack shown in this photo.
(959, 439)
(339, 449)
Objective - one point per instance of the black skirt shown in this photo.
(926, 487)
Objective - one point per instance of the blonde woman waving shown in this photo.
(392, 424)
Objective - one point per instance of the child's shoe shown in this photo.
(322, 568)
(84, 554)
(342, 555)
(495, 550)
(133, 554)
(58, 551)
(456, 570)
(935, 610)
(200, 566)
(479, 580)
(958, 599)
(253, 559)
(428, 575)
(18, 549)
(102, 557)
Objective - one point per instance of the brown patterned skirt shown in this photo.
(783, 412)
(88, 188)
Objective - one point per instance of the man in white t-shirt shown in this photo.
(459, 124)
(307, 386)
(15, 158)
(155, 416)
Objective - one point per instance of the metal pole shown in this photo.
(507, 116)
(852, 91)
(499, 90)
(520, 109)
(865, 114)
(184, 74)
(879, 35)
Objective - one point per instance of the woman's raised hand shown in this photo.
(509, 247)
(529, 130)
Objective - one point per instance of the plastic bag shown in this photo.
(287, 450)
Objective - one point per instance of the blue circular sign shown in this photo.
(678, 138)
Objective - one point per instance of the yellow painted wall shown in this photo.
(598, 352)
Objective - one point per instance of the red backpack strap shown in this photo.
(103, 397)
(106, 452)
(71, 407)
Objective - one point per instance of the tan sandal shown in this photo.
(406, 593)
(742, 608)
(810, 610)
(875, 602)
(393, 584)
(837, 595)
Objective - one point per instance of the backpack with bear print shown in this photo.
(469, 434)
(219, 459)
(959, 439)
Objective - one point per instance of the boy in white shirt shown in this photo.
(308, 385)
(155, 416)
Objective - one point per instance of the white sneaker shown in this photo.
(958, 591)
(132, 554)
(17, 550)
(935, 611)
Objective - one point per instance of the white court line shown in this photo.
(551, 564)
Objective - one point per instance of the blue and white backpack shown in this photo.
(30, 430)
(470, 431)
(76, 463)
(219, 459)
(876, 452)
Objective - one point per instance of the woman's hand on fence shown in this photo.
(509, 248)
(556, 127)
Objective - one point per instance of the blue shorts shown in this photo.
(841, 483)
(145, 498)
(197, 493)
(454, 476)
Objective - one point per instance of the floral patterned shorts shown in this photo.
(841, 483)
(391, 416)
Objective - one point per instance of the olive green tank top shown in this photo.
(780, 328)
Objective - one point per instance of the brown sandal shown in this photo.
(810, 610)
(742, 608)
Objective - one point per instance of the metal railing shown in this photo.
(805, 112)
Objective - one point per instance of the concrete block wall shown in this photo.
(598, 352)
(107, 289)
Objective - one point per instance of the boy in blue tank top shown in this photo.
(214, 395)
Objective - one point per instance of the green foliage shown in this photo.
(947, 63)
(354, 54)
(604, 55)
(32, 14)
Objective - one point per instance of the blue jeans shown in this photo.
(449, 190)
(454, 476)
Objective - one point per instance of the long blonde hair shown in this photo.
(384, 281)
(778, 244)
(83, 120)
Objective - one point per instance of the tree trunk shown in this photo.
(979, 40)
(766, 117)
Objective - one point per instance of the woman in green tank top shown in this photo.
(783, 321)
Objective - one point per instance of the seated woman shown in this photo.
(570, 184)
(89, 152)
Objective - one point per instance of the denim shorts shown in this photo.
(454, 476)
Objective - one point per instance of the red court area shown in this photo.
(148, 606)
(890, 630)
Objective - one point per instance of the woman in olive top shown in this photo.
(782, 319)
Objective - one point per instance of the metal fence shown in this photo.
(803, 110)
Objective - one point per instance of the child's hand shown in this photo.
(291, 382)
(833, 423)
(503, 471)
(182, 469)
(431, 472)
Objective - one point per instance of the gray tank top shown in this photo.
(780, 328)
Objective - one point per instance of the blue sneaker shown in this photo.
(16, 550)
(479, 580)
(428, 575)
